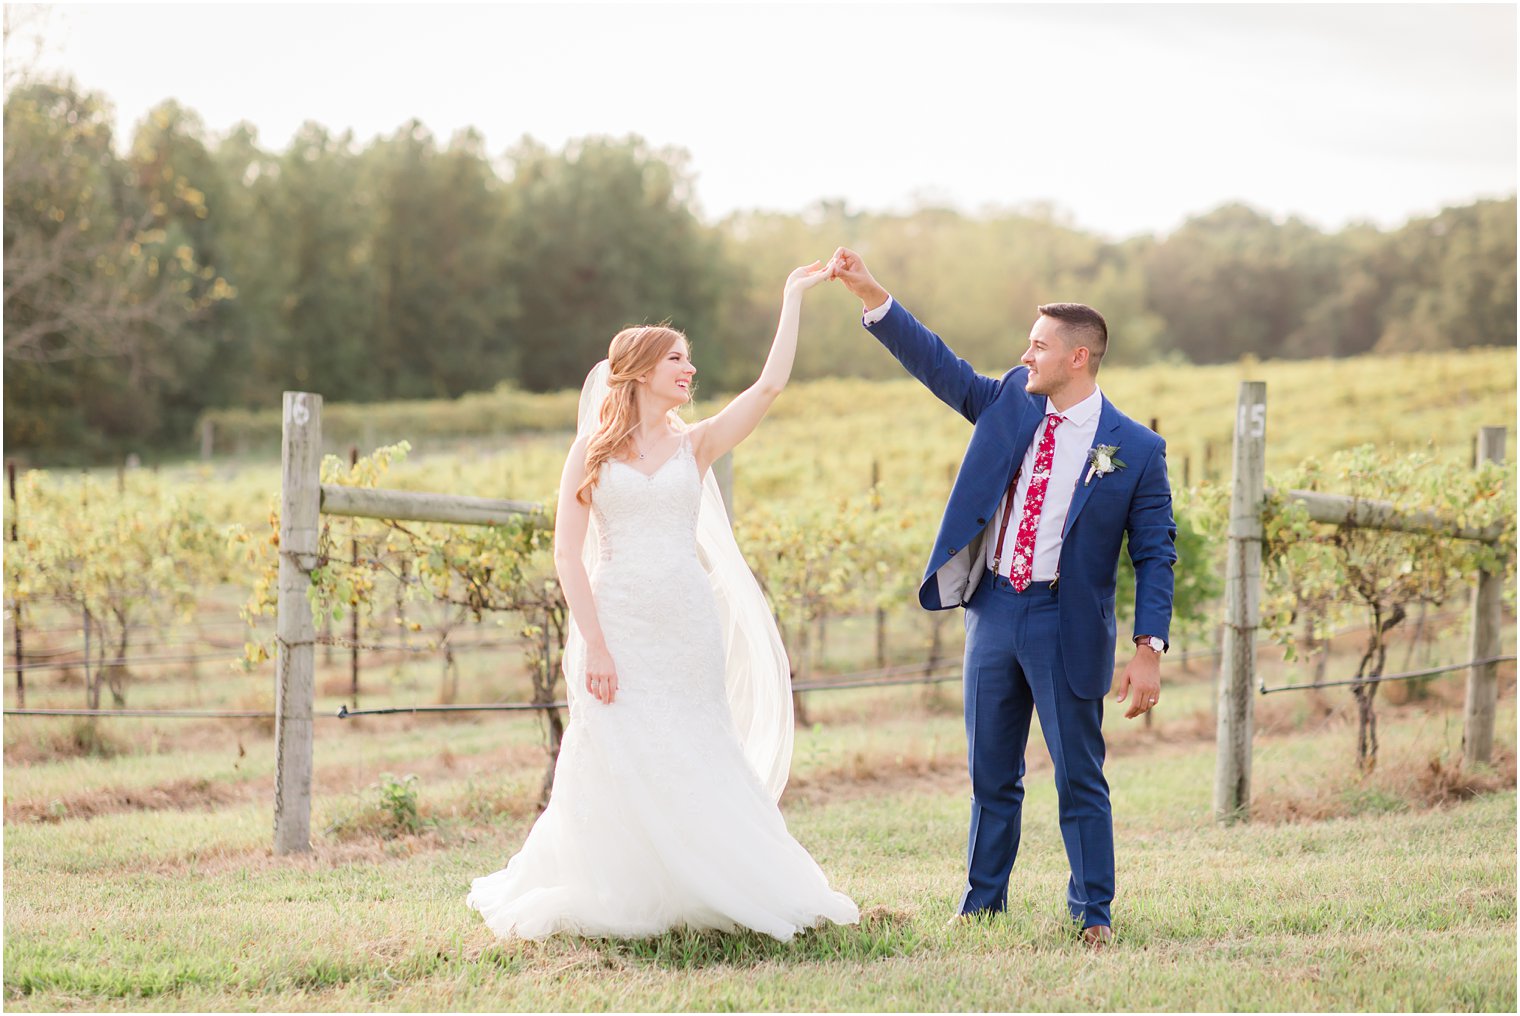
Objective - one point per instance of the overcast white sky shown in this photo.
(1129, 117)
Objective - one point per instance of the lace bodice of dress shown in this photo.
(642, 522)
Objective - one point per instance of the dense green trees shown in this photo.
(600, 236)
(101, 277)
(148, 281)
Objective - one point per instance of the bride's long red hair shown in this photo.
(634, 352)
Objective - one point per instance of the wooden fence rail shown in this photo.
(373, 503)
(1343, 510)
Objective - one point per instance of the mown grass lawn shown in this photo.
(1350, 892)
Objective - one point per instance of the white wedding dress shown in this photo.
(657, 820)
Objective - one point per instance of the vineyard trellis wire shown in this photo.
(940, 672)
(1408, 675)
(878, 678)
(42, 660)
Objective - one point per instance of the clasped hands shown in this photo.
(844, 265)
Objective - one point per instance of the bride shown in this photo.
(664, 812)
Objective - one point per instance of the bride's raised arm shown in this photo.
(721, 433)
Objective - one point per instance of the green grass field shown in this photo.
(146, 881)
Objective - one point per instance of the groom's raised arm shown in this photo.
(924, 354)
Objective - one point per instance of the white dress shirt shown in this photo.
(1074, 439)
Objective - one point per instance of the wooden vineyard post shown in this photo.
(300, 511)
(1232, 773)
(1483, 679)
(353, 658)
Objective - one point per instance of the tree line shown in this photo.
(149, 280)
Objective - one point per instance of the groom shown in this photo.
(1053, 479)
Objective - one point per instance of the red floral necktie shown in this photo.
(1021, 573)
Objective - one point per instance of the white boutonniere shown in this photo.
(1101, 461)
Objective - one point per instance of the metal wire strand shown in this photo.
(1406, 676)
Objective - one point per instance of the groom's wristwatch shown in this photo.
(1151, 642)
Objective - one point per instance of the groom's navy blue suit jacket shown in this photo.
(1136, 499)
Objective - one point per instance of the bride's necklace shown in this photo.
(637, 448)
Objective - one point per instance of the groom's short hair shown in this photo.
(1081, 326)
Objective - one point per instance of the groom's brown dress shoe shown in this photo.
(1097, 937)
